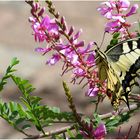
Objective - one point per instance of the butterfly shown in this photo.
(120, 66)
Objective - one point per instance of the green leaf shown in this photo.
(30, 116)
(87, 119)
(57, 137)
(116, 35)
(114, 42)
(79, 136)
(8, 73)
(70, 133)
(26, 126)
(112, 122)
(35, 100)
(25, 103)
(13, 106)
(5, 109)
(14, 61)
(94, 101)
(39, 128)
(97, 118)
(111, 128)
(13, 115)
(24, 85)
(21, 110)
(55, 110)
(20, 120)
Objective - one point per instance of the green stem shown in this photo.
(96, 105)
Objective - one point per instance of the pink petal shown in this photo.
(120, 18)
(31, 19)
(133, 10)
(39, 49)
(45, 22)
(124, 4)
(91, 59)
(100, 131)
(112, 26)
(74, 59)
(80, 44)
(41, 11)
(108, 4)
(85, 50)
(78, 71)
(106, 12)
(76, 36)
(71, 30)
(55, 58)
(92, 92)
(108, 15)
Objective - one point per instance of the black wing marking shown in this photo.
(129, 79)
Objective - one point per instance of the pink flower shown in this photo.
(113, 11)
(55, 58)
(91, 59)
(86, 50)
(47, 29)
(49, 25)
(79, 72)
(100, 131)
(92, 92)
(39, 34)
(97, 133)
(113, 26)
(75, 56)
(106, 10)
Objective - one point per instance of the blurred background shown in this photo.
(16, 40)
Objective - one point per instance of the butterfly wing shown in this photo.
(124, 58)
(120, 65)
(106, 72)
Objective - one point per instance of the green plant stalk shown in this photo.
(78, 118)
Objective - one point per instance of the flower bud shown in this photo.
(41, 11)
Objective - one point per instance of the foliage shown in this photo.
(8, 73)
(29, 111)
(114, 40)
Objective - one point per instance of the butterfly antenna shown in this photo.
(98, 48)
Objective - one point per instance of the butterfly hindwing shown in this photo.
(132, 77)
